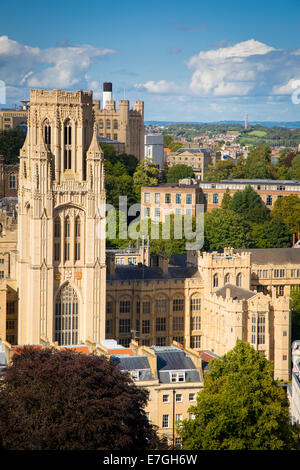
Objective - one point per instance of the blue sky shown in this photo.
(188, 60)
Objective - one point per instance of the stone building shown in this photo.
(12, 118)
(199, 159)
(56, 283)
(121, 124)
(61, 258)
(8, 179)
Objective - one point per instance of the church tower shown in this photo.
(61, 226)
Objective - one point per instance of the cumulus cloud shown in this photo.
(249, 68)
(160, 87)
(245, 70)
(63, 66)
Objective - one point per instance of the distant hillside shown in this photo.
(289, 125)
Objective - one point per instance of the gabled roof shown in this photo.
(236, 293)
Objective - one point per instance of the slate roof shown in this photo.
(172, 359)
(134, 363)
(127, 273)
(273, 255)
(236, 293)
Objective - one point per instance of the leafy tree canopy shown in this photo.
(249, 204)
(180, 171)
(11, 141)
(241, 407)
(224, 227)
(61, 400)
(146, 174)
(287, 210)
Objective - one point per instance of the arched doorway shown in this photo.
(66, 316)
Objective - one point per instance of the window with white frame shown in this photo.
(177, 377)
(178, 398)
(147, 197)
(165, 421)
(166, 398)
(192, 396)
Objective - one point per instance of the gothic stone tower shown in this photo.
(61, 265)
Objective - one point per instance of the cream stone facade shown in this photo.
(61, 260)
(122, 124)
(58, 285)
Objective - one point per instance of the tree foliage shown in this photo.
(287, 210)
(241, 407)
(178, 172)
(224, 227)
(249, 204)
(61, 400)
(11, 141)
(146, 174)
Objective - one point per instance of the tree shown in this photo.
(62, 400)
(287, 210)
(295, 296)
(258, 163)
(220, 171)
(249, 204)
(11, 141)
(241, 407)
(224, 227)
(178, 172)
(146, 174)
(271, 234)
(226, 199)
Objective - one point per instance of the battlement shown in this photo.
(61, 97)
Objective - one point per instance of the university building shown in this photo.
(56, 281)
(199, 159)
(120, 125)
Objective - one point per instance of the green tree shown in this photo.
(287, 210)
(224, 227)
(62, 400)
(294, 171)
(226, 199)
(249, 204)
(271, 234)
(258, 164)
(220, 171)
(146, 174)
(178, 172)
(295, 296)
(10, 143)
(241, 407)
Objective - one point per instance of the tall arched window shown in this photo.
(239, 280)
(227, 278)
(107, 123)
(67, 239)
(47, 134)
(66, 316)
(67, 145)
(77, 238)
(57, 239)
(215, 281)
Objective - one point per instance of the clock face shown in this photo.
(68, 273)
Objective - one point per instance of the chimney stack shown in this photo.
(107, 93)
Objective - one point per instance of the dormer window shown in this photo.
(177, 377)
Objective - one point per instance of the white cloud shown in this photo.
(57, 67)
(161, 87)
(245, 70)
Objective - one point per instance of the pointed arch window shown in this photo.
(215, 280)
(67, 145)
(239, 280)
(57, 239)
(66, 316)
(67, 239)
(47, 134)
(77, 238)
(227, 278)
